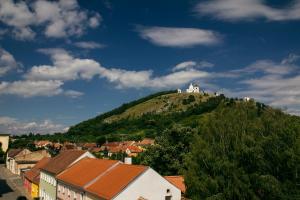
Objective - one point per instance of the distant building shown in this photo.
(193, 88)
(11, 164)
(42, 143)
(247, 98)
(4, 140)
(27, 161)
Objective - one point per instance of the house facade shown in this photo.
(131, 182)
(48, 182)
(11, 164)
(27, 161)
(32, 178)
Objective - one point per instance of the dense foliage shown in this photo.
(240, 153)
(241, 150)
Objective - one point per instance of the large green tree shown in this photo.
(241, 153)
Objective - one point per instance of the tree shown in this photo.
(166, 156)
(240, 153)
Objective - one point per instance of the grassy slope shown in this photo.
(162, 104)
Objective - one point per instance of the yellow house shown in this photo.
(34, 190)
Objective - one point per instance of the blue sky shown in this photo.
(62, 62)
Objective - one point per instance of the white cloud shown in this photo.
(28, 88)
(89, 45)
(192, 64)
(73, 93)
(65, 68)
(179, 37)
(7, 62)
(275, 83)
(15, 126)
(57, 18)
(235, 10)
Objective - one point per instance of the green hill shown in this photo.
(143, 117)
(149, 116)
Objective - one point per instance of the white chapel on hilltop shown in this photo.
(193, 88)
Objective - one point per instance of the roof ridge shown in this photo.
(100, 175)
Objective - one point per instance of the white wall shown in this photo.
(150, 185)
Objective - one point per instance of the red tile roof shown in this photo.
(85, 171)
(13, 152)
(62, 161)
(33, 175)
(177, 181)
(115, 180)
(146, 141)
(134, 149)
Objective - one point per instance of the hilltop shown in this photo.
(149, 116)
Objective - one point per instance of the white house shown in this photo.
(247, 98)
(193, 88)
(137, 182)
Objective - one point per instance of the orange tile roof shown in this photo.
(134, 149)
(62, 161)
(115, 180)
(85, 171)
(146, 141)
(177, 181)
(34, 174)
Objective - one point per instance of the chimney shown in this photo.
(128, 160)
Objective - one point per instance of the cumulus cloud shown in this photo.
(192, 64)
(65, 68)
(15, 126)
(89, 45)
(28, 88)
(178, 37)
(7, 62)
(236, 10)
(57, 18)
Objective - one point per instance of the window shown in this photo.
(168, 198)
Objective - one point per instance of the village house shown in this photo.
(42, 143)
(113, 180)
(133, 151)
(131, 182)
(59, 163)
(10, 158)
(32, 178)
(145, 142)
(27, 161)
(116, 147)
(69, 186)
